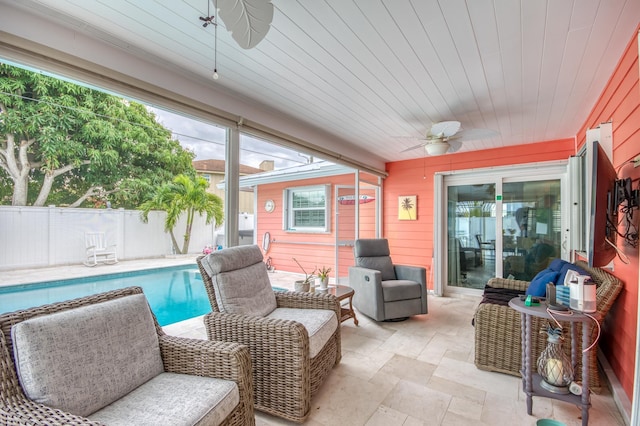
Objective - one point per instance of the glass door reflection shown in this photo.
(471, 226)
(531, 228)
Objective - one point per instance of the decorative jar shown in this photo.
(554, 366)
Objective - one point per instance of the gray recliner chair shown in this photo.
(384, 291)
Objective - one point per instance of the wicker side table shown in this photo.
(531, 379)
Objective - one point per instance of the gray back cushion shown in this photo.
(374, 254)
(241, 281)
(85, 358)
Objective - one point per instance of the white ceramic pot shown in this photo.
(324, 283)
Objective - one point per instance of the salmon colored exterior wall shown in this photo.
(620, 104)
(311, 249)
(411, 242)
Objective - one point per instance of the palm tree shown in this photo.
(407, 205)
(188, 195)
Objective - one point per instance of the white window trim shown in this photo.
(287, 216)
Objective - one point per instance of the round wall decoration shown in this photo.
(269, 205)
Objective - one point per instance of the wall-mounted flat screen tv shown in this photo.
(603, 209)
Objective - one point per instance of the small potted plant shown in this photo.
(323, 274)
(305, 284)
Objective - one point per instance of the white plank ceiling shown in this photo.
(378, 73)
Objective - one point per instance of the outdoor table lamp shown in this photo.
(554, 366)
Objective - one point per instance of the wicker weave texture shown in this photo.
(229, 361)
(284, 376)
(498, 334)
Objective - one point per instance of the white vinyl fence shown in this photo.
(33, 237)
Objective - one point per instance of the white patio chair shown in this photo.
(98, 250)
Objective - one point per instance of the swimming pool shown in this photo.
(175, 293)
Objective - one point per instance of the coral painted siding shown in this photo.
(411, 242)
(620, 104)
(311, 249)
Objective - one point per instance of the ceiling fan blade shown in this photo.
(248, 21)
(445, 128)
(415, 147)
(450, 132)
(455, 144)
(476, 134)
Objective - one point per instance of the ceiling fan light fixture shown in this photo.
(437, 148)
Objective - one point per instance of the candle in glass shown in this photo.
(555, 372)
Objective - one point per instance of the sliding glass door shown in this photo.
(531, 229)
(471, 230)
(505, 226)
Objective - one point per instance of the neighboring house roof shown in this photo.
(305, 171)
(217, 167)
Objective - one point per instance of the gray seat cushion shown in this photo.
(393, 290)
(192, 400)
(319, 323)
(241, 281)
(83, 359)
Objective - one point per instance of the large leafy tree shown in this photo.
(185, 195)
(66, 144)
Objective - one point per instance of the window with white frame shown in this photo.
(307, 208)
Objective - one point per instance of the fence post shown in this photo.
(120, 225)
(51, 242)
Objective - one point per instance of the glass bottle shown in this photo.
(554, 366)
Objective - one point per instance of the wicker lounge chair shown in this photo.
(187, 357)
(498, 331)
(286, 371)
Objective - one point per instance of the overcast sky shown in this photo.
(207, 142)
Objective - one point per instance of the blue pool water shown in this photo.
(175, 293)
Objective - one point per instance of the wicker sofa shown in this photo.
(103, 359)
(498, 331)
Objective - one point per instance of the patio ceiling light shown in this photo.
(437, 148)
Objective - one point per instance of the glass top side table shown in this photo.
(343, 292)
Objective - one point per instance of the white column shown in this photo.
(231, 187)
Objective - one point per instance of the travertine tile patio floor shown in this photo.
(416, 372)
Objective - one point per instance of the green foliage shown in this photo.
(323, 272)
(185, 195)
(62, 143)
(476, 212)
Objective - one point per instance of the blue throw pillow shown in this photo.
(557, 264)
(565, 268)
(538, 285)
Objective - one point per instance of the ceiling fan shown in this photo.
(248, 21)
(446, 136)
